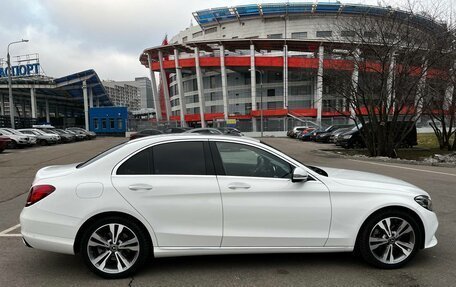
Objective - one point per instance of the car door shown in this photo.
(174, 187)
(262, 207)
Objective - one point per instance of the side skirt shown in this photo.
(193, 251)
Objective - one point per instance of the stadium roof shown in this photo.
(215, 16)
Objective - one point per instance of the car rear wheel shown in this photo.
(115, 247)
(389, 239)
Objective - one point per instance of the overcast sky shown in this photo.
(104, 35)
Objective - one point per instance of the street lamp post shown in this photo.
(10, 88)
(261, 72)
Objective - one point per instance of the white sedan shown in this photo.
(176, 195)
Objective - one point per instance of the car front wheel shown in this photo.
(389, 239)
(115, 247)
(12, 144)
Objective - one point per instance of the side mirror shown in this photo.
(299, 174)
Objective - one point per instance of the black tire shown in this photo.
(12, 144)
(43, 142)
(143, 241)
(369, 228)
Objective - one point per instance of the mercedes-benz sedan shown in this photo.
(190, 194)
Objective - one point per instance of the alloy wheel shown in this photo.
(113, 248)
(392, 240)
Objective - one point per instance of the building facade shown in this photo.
(252, 61)
(145, 92)
(123, 94)
(135, 94)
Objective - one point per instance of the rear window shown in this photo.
(101, 155)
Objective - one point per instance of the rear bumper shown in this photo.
(48, 231)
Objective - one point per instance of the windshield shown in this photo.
(37, 132)
(13, 132)
(355, 128)
(48, 131)
(6, 132)
(101, 155)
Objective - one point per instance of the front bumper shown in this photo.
(431, 224)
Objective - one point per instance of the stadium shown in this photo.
(246, 63)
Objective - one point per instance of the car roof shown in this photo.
(201, 129)
(196, 136)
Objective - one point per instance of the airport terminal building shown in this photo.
(241, 63)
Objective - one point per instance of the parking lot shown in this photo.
(23, 266)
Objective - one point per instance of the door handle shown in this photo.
(238, 185)
(140, 186)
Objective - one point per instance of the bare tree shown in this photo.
(442, 91)
(384, 91)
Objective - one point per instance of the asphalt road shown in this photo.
(21, 266)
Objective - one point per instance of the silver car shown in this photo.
(42, 137)
(16, 140)
(31, 138)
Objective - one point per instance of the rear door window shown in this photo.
(179, 158)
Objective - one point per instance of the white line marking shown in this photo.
(403, 167)
(4, 232)
(11, 235)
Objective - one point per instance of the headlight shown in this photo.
(425, 201)
(347, 136)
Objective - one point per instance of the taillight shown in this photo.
(38, 192)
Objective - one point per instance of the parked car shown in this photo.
(293, 133)
(15, 139)
(302, 133)
(71, 137)
(325, 136)
(31, 138)
(335, 135)
(314, 133)
(354, 139)
(351, 138)
(198, 195)
(145, 133)
(4, 141)
(79, 136)
(89, 134)
(42, 137)
(175, 130)
(230, 131)
(64, 137)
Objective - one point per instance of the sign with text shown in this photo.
(22, 66)
(21, 70)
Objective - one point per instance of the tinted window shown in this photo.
(244, 160)
(179, 158)
(139, 163)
